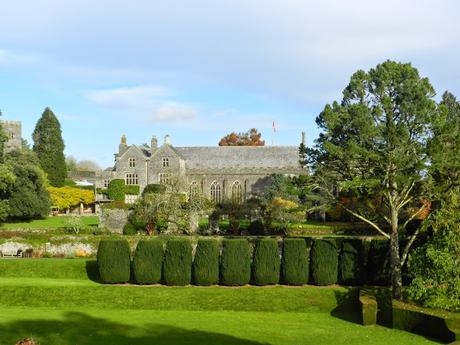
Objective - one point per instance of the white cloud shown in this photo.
(151, 102)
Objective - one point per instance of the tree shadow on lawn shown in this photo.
(82, 329)
(347, 308)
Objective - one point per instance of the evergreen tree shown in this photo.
(7, 178)
(49, 147)
(374, 147)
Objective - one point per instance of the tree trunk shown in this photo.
(395, 261)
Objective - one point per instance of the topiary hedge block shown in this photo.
(295, 261)
(116, 190)
(368, 309)
(177, 265)
(351, 267)
(114, 261)
(425, 322)
(206, 263)
(378, 263)
(324, 262)
(148, 261)
(235, 268)
(266, 263)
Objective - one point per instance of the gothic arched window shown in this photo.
(215, 192)
(236, 192)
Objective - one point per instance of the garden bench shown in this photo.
(17, 254)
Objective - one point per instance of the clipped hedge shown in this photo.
(206, 264)
(116, 190)
(154, 188)
(114, 261)
(378, 263)
(177, 265)
(266, 263)
(235, 268)
(324, 262)
(351, 268)
(295, 261)
(148, 261)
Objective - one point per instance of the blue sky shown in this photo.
(198, 70)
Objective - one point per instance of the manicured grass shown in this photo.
(103, 327)
(72, 309)
(48, 223)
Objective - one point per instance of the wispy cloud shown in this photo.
(151, 102)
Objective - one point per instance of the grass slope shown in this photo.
(69, 327)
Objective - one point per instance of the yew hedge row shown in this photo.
(236, 262)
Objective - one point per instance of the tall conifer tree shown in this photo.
(49, 147)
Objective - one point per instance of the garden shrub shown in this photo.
(295, 261)
(116, 190)
(378, 263)
(235, 266)
(206, 263)
(256, 228)
(266, 264)
(129, 229)
(177, 265)
(351, 265)
(114, 261)
(148, 260)
(324, 262)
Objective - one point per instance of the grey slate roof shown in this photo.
(245, 157)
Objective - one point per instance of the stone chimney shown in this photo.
(123, 145)
(167, 139)
(153, 144)
(304, 138)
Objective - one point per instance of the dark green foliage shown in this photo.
(49, 147)
(27, 197)
(148, 261)
(114, 261)
(424, 322)
(154, 188)
(378, 263)
(324, 262)
(235, 266)
(129, 229)
(116, 190)
(177, 266)
(266, 264)
(256, 228)
(206, 263)
(295, 261)
(352, 270)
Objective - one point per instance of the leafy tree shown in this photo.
(7, 178)
(88, 165)
(71, 163)
(49, 147)
(249, 138)
(435, 266)
(28, 197)
(374, 147)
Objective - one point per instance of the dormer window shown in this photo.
(165, 162)
(132, 162)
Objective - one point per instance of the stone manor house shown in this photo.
(219, 172)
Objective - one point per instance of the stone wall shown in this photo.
(113, 219)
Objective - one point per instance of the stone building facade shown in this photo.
(219, 172)
(13, 130)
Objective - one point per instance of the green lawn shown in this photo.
(53, 301)
(48, 223)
